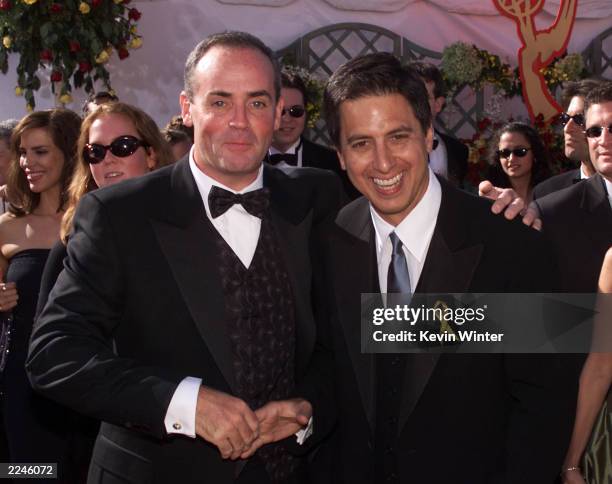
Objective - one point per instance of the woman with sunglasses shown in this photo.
(518, 159)
(116, 142)
(43, 153)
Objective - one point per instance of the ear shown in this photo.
(151, 159)
(185, 109)
(341, 159)
(429, 139)
(439, 104)
(280, 104)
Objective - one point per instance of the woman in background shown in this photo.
(518, 159)
(43, 153)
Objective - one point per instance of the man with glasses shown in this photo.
(575, 144)
(289, 146)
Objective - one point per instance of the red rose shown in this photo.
(123, 53)
(5, 5)
(95, 3)
(74, 46)
(134, 14)
(56, 8)
(56, 76)
(84, 66)
(125, 2)
(46, 55)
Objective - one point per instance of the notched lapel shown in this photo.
(597, 220)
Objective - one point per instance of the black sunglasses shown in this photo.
(577, 118)
(294, 111)
(518, 152)
(595, 131)
(121, 147)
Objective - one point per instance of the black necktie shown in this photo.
(254, 202)
(398, 278)
(289, 158)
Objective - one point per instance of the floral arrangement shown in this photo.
(314, 91)
(464, 64)
(74, 39)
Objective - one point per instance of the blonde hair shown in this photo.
(83, 181)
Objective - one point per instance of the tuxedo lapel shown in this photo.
(188, 243)
(355, 245)
(597, 214)
(449, 268)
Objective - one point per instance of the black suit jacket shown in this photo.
(578, 223)
(138, 307)
(465, 419)
(556, 183)
(457, 159)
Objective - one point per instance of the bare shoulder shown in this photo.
(605, 278)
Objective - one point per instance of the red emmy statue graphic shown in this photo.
(539, 49)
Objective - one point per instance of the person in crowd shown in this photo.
(182, 318)
(449, 157)
(6, 129)
(43, 152)
(574, 141)
(179, 136)
(518, 159)
(434, 418)
(289, 146)
(595, 382)
(97, 99)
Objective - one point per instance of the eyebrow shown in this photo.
(34, 147)
(251, 94)
(358, 137)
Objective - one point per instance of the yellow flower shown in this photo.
(65, 98)
(30, 2)
(7, 41)
(133, 29)
(84, 8)
(112, 92)
(18, 91)
(29, 108)
(136, 43)
(102, 57)
(117, 1)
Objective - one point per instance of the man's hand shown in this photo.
(226, 422)
(279, 420)
(508, 201)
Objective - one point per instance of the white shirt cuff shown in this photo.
(302, 434)
(181, 414)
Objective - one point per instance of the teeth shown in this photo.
(391, 181)
(113, 174)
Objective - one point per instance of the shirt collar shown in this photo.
(205, 182)
(416, 229)
(292, 149)
(583, 175)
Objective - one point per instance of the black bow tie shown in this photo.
(289, 158)
(254, 202)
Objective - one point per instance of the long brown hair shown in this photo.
(83, 181)
(63, 125)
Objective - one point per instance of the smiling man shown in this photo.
(182, 319)
(434, 418)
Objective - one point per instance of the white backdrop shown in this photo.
(152, 76)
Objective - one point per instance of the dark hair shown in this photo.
(376, 74)
(580, 88)
(602, 93)
(291, 79)
(540, 169)
(176, 131)
(431, 73)
(237, 40)
(6, 129)
(99, 97)
(63, 125)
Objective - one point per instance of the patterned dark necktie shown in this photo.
(255, 202)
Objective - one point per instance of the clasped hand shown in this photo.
(238, 431)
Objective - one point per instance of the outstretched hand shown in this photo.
(506, 200)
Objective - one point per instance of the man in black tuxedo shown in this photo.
(183, 317)
(289, 147)
(575, 145)
(426, 418)
(449, 156)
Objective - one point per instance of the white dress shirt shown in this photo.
(609, 189)
(240, 230)
(438, 158)
(415, 232)
(293, 149)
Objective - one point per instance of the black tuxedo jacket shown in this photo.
(578, 223)
(139, 306)
(464, 419)
(556, 183)
(457, 159)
